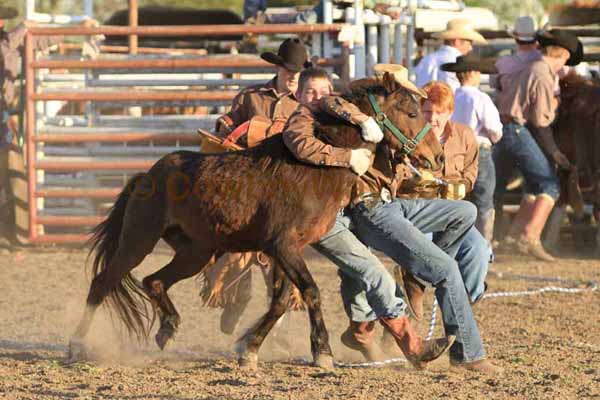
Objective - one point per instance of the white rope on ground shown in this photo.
(591, 287)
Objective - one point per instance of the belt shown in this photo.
(506, 119)
(370, 200)
(486, 146)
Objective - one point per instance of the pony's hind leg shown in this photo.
(250, 343)
(190, 258)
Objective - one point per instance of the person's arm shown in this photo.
(236, 116)
(469, 173)
(300, 139)
(490, 120)
(337, 107)
(541, 117)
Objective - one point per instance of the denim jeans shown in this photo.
(368, 274)
(473, 259)
(483, 190)
(518, 147)
(398, 229)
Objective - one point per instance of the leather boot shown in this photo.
(414, 293)
(481, 366)
(523, 216)
(360, 336)
(417, 351)
(530, 243)
(485, 224)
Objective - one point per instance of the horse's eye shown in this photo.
(412, 115)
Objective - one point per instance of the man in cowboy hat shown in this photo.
(276, 99)
(458, 38)
(527, 109)
(474, 108)
(527, 50)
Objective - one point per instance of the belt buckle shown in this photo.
(385, 195)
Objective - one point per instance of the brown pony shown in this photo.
(261, 199)
(577, 131)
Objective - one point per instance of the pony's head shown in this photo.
(398, 113)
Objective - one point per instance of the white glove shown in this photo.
(371, 132)
(360, 161)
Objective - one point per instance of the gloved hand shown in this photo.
(371, 132)
(360, 161)
(455, 190)
(562, 160)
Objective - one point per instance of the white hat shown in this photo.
(460, 28)
(400, 74)
(525, 28)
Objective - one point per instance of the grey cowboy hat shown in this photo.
(564, 39)
(471, 62)
(8, 12)
(292, 55)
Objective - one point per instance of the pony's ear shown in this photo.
(389, 82)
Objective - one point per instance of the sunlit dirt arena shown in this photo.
(549, 344)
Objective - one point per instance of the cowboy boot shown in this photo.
(417, 351)
(518, 223)
(359, 336)
(414, 293)
(481, 366)
(529, 243)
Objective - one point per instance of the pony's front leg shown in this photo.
(250, 343)
(295, 268)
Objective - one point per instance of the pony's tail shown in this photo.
(127, 298)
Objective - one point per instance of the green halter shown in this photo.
(408, 144)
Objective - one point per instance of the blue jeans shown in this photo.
(483, 190)
(398, 228)
(473, 259)
(518, 147)
(369, 275)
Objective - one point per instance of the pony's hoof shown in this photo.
(162, 338)
(248, 361)
(77, 351)
(324, 361)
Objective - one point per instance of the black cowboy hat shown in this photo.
(471, 62)
(564, 39)
(292, 55)
(8, 12)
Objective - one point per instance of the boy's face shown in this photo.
(436, 117)
(313, 90)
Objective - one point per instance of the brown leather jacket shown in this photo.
(259, 100)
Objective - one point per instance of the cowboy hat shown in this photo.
(400, 75)
(471, 62)
(460, 28)
(524, 30)
(8, 12)
(564, 39)
(292, 55)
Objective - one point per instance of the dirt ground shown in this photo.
(549, 344)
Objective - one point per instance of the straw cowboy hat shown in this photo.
(524, 30)
(471, 62)
(292, 55)
(564, 39)
(400, 75)
(460, 28)
(8, 12)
